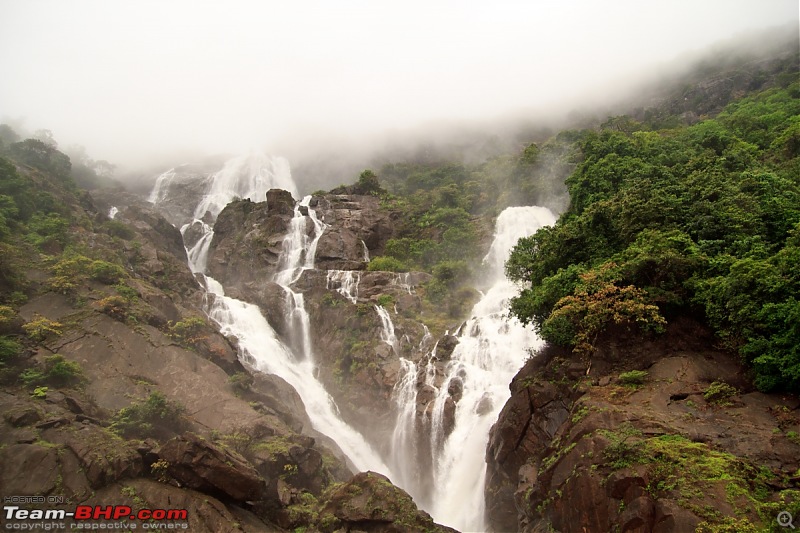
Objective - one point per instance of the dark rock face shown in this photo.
(369, 502)
(203, 466)
(353, 219)
(248, 239)
(550, 454)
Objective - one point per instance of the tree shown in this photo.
(368, 183)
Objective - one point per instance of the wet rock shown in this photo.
(370, 502)
(444, 350)
(205, 467)
(638, 515)
(102, 458)
(22, 416)
(28, 469)
(280, 202)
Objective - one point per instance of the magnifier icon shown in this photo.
(785, 519)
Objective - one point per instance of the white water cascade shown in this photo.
(345, 282)
(491, 349)
(250, 177)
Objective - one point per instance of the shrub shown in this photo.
(241, 381)
(620, 452)
(114, 306)
(105, 272)
(41, 328)
(634, 377)
(115, 228)
(155, 416)
(9, 349)
(720, 393)
(39, 393)
(386, 264)
(56, 371)
(386, 300)
(188, 331)
(7, 315)
(597, 302)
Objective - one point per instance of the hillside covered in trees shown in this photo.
(697, 221)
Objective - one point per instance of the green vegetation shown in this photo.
(624, 447)
(56, 371)
(155, 416)
(190, 331)
(633, 378)
(387, 264)
(701, 220)
(719, 393)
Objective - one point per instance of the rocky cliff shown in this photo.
(657, 435)
(118, 391)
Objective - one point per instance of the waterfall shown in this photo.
(402, 281)
(267, 354)
(259, 345)
(247, 176)
(161, 187)
(491, 349)
(113, 212)
(387, 331)
(443, 468)
(366, 251)
(198, 252)
(403, 451)
(345, 282)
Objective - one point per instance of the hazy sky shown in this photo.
(129, 79)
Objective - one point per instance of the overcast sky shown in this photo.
(129, 79)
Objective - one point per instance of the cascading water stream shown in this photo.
(491, 349)
(257, 340)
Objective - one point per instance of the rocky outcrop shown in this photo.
(369, 502)
(205, 467)
(248, 239)
(591, 447)
(358, 228)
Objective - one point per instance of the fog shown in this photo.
(140, 82)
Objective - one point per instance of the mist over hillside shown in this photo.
(344, 84)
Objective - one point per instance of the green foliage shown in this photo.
(388, 264)
(38, 154)
(9, 350)
(156, 416)
(190, 331)
(386, 300)
(720, 393)
(368, 183)
(624, 446)
(596, 303)
(241, 381)
(40, 328)
(40, 393)
(47, 229)
(634, 377)
(56, 371)
(699, 219)
(105, 272)
(115, 228)
(114, 306)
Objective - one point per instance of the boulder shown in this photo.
(205, 467)
(370, 502)
(280, 202)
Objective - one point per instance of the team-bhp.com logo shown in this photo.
(94, 517)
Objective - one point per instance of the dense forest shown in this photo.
(700, 220)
